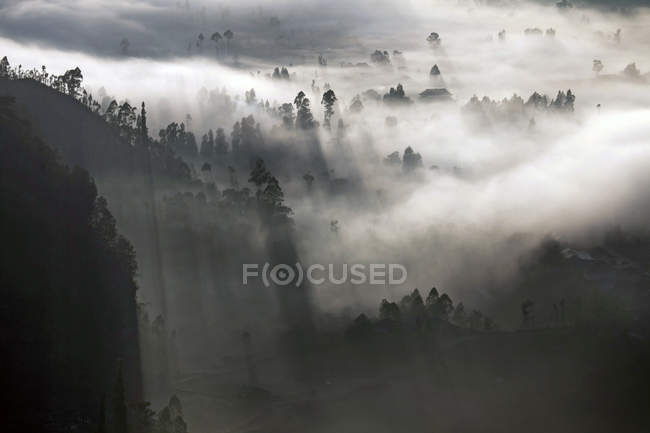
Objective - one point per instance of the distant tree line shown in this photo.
(412, 311)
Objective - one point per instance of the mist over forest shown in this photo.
(497, 150)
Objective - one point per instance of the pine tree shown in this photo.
(143, 131)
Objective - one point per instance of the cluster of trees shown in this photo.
(216, 37)
(181, 141)
(380, 57)
(409, 162)
(423, 314)
(68, 280)
(281, 74)
(534, 31)
(304, 117)
(212, 146)
(434, 39)
(514, 108)
(68, 83)
(122, 117)
(268, 194)
(630, 71)
(396, 95)
(121, 415)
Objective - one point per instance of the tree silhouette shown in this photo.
(221, 145)
(124, 46)
(216, 37)
(434, 39)
(5, 67)
(309, 180)
(304, 117)
(597, 66)
(389, 311)
(329, 98)
(459, 317)
(72, 81)
(528, 313)
(199, 42)
(228, 35)
(207, 150)
(411, 160)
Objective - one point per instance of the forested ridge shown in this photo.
(68, 310)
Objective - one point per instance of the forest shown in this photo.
(497, 151)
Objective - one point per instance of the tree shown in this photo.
(380, 57)
(199, 42)
(434, 39)
(228, 34)
(72, 81)
(4, 67)
(389, 311)
(528, 313)
(416, 306)
(221, 145)
(459, 317)
(432, 297)
(270, 196)
(124, 46)
(445, 306)
(329, 98)
(216, 37)
(286, 111)
(259, 175)
(411, 160)
(569, 101)
(597, 66)
(273, 197)
(304, 117)
(207, 146)
(397, 95)
(235, 137)
(309, 180)
(357, 105)
(251, 98)
(393, 159)
(126, 116)
(631, 71)
(143, 131)
(360, 327)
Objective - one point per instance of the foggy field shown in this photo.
(497, 150)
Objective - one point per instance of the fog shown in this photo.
(451, 226)
(505, 166)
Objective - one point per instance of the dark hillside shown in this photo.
(68, 309)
